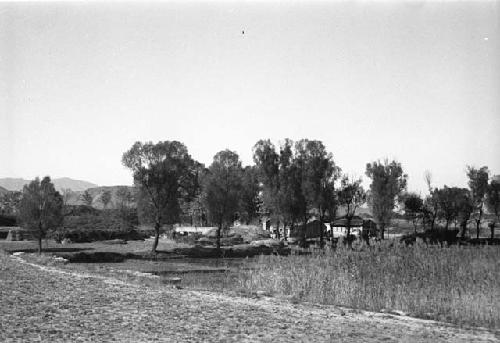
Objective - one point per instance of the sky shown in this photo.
(418, 82)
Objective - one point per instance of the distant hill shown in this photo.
(74, 198)
(12, 184)
(17, 184)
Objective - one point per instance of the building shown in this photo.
(339, 226)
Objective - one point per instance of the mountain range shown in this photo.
(17, 184)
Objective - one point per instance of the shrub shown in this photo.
(8, 220)
(109, 224)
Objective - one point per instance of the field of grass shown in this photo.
(456, 284)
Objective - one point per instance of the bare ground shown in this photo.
(39, 303)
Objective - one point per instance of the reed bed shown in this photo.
(455, 284)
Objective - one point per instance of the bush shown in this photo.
(108, 225)
(8, 220)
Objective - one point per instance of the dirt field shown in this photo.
(40, 303)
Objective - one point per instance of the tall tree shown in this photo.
(493, 203)
(87, 198)
(66, 194)
(41, 208)
(291, 196)
(223, 185)
(431, 208)
(319, 176)
(431, 203)
(250, 194)
(105, 198)
(164, 173)
(301, 163)
(465, 206)
(124, 198)
(125, 203)
(388, 183)
(449, 204)
(478, 184)
(413, 208)
(351, 195)
(267, 162)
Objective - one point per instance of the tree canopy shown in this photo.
(223, 184)
(478, 184)
(388, 183)
(41, 208)
(165, 173)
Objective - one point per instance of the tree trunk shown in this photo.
(321, 239)
(348, 236)
(40, 244)
(278, 229)
(478, 222)
(40, 234)
(382, 230)
(157, 236)
(304, 232)
(219, 229)
(463, 226)
(492, 230)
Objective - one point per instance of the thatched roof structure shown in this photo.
(356, 221)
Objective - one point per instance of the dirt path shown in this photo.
(46, 304)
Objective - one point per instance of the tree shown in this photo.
(478, 184)
(388, 183)
(431, 203)
(125, 205)
(319, 176)
(413, 208)
(449, 207)
(351, 195)
(66, 195)
(87, 198)
(267, 162)
(223, 185)
(9, 202)
(431, 208)
(165, 173)
(124, 198)
(250, 194)
(196, 209)
(292, 199)
(493, 203)
(41, 208)
(105, 198)
(465, 206)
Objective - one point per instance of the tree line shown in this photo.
(289, 183)
(454, 205)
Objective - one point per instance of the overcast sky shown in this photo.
(81, 82)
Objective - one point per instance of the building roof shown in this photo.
(356, 221)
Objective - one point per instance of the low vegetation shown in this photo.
(455, 284)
